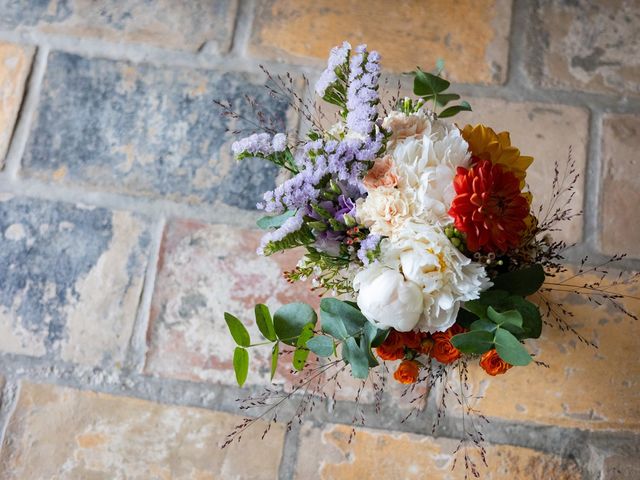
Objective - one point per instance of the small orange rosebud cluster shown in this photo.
(493, 364)
(405, 346)
(443, 350)
(407, 372)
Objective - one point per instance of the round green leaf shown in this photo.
(476, 341)
(241, 364)
(302, 352)
(290, 319)
(340, 319)
(525, 281)
(321, 345)
(238, 330)
(510, 349)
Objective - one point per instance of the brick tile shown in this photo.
(73, 277)
(586, 388)
(545, 132)
(619, 227)
(143, 130)
(586, 45)
(59, 432)
(165, 23)
(618, 467)
(325, 453)
(416, 34)
(204, 271)
(15, 63)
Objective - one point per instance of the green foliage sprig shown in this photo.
(294, 325)
(432, 88)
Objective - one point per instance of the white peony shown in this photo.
(424, 258)
(387, 299)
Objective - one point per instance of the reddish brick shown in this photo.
(326, 454)
(204, 271)
(415, 34)
(60, 433)
(619, 226)
(15, 63)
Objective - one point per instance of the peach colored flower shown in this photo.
(381, 174)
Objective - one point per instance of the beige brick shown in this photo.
(545, 132)
(61, 433)
(15, 63)
(206, 270)
(407, 34)
(587, 45)
(618, 467)
(164, 23)
(325, 453)
(584, 387)
(619, 226)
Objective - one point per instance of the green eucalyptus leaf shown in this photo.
(241, 364)
(511, 317)
(302, 352)
(238, 330)
(356, 357)
(274, 221)
(476, 341)
(510, 349)
(455, 109)
(275, 351)
(264, 322)
(523, 282)
(483, 324)
(289, 321)
(371, 333)
(477, 307)
(340, 319)
(321, 345)
(531, 319)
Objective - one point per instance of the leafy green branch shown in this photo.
(432, 88)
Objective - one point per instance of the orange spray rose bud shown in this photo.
(443, 351)
(493, 364)
(407, 372)
(392, 348)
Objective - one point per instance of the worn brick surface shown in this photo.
(414, 33)
(204, 271)
(326, 454)
(15, 62)
(545, 132)
(586, 388)
(61, 433)
(142, 130)
(618, 467)
(165, 23)
(619, 227)
(586, 45)
(72, 277)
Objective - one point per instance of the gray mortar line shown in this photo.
(290, 450)
(138, 342)
(9, 400)
(242, 28)
(546, 438)
(23, 127)
(215, 213)
(592, 183)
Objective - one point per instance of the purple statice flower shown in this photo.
(338, 56)
(362, 94)
(368, 245)
(290, 225)
(259, 144)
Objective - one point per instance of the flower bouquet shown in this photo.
(419, 234)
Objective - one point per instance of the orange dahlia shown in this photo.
(489, 206)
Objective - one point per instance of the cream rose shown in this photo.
(404, 126)
(387, 299)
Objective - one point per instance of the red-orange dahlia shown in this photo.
(489, 207)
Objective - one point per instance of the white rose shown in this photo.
(387, 299)
(384, 210)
